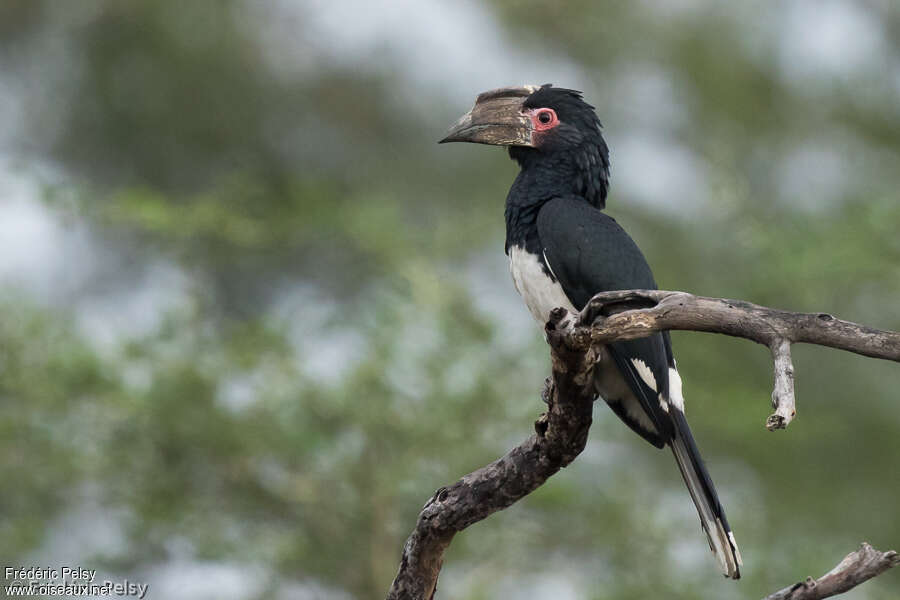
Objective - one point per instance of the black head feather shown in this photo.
(575, 148)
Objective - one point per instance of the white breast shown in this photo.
(540, 292)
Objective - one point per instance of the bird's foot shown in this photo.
(591, 313)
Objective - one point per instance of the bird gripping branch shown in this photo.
(563, 249)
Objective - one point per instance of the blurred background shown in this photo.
(253, 315)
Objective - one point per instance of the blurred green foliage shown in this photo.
(338, 352)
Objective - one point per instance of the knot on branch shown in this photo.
(540, 426)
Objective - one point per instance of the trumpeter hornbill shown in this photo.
(563, 249)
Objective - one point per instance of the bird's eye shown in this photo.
(544, 119)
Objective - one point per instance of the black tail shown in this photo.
(700, 485)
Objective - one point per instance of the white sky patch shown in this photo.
(557, 585)
(54, 259)
(419, 337)
(197, 580)
(323, 351)
(645, 96)
(815, 175)
(86, 528)
(238, 393)
(334, 356)
(605, 453)
(309, 591)
(40, 253)
(458, 48)
(657, 171)
(822, 39)
(492, 291)
(108, 316)
(688, 553)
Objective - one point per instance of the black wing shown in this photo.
(588, 253)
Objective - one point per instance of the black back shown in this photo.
(588, 252)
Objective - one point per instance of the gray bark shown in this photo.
(560, 435)
(631, 314)
(857, 567)
(561, 432)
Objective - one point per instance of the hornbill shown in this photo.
(563, 249)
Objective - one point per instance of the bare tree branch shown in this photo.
(783, 392)
(561, 433)
(630, 314)
(856, 568)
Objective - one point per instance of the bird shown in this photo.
(563, 249)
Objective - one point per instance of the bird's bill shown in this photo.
(496, 119)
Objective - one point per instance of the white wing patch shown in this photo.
(675, 395)
(644, 371)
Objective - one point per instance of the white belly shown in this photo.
(540, 292)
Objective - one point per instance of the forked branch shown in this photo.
(630, 314)
(561, 432)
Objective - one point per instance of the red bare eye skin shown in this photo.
(543, 118)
